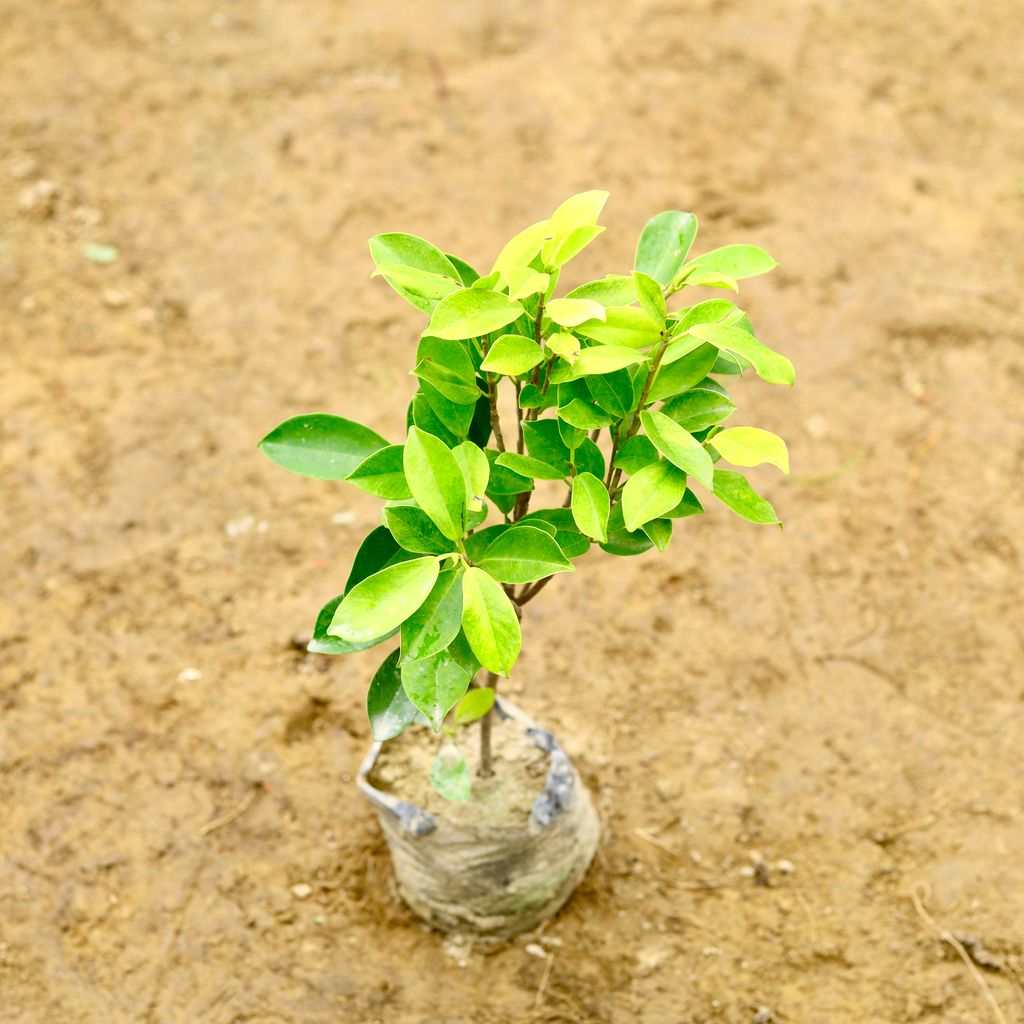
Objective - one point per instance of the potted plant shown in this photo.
(540, 426)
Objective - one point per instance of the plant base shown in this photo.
(505, 861)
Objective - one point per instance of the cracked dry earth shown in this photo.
(788, 732)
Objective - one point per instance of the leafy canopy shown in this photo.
(620, 410)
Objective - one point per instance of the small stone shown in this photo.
(343, 518)
(39, 199)
(114, 298)
(535, 949)
(817, 426)
(668, 789)
(763, 1016)
(302, 891)
(785, 867)
(189, 675)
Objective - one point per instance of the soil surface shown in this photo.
(790, 733)
(503, 799)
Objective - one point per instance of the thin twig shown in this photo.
(919, 895)
(227, 819)
(539, 998)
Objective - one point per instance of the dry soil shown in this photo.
(789, 732)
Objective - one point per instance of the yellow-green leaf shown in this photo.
(751, 446)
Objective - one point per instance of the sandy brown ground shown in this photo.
(842, 699)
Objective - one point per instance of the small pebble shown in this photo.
(302, 891)
(535, 949)
(189, 675)
(114, 298)
(785, 867)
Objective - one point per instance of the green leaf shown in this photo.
(424, 416)
(387, 706)
(522, 555)
(710, 279)
(651, 492)
(476, 471)
(504, 480)
(612, 391)
(682, 374)
(420, 283)
(570, 312)
(679, 446)
(578, 211)
(377, 550)
(604, 359)
(321, 446)
(450, 775)
(613, 290)
(733, 491)
(512, 354)
(768, 364)
(409, 251)
(435, 624)
(474, 705)
(634, 453)
(751, 446)
(415, 530)
(382, 474)
(622, 541)
(472, 312)
(664, 243)
(659, 531)
(591, 506)
(688, 506)
(436, 482)
(572, 436)
(624, 326)
(588, 458)
(384, 600)
(435, 685)
(490, 283)
(711, 311)
(560, 522)
(522, 248)
(489, 621)
(526, 465)
(447, 381)
(584, 415)
(544, 442)
(736, 261)
(699, 409)
(565, 345)
(467, 275)
(648, 291)
(557, 254)
(323, 643)
(525, 281)
(573, 226)
(477, 543)
(455, 417)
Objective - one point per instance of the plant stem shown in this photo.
(492, 396)
(486, 769)
(634, 422)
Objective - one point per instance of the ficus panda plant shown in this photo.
(618, 420)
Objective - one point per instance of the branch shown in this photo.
(492, 397)
(634, 423)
